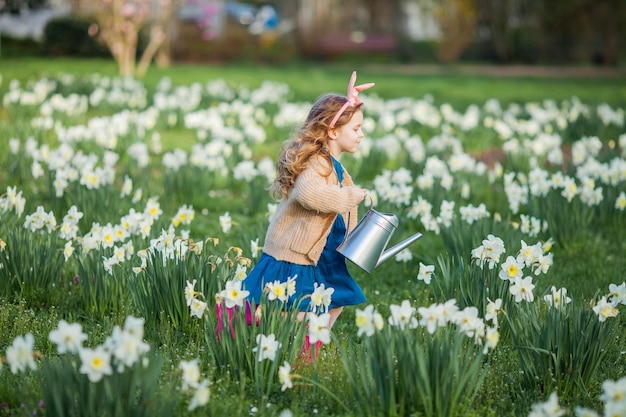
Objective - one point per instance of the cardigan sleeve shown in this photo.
(314, 191)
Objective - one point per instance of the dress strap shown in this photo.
(338, 169)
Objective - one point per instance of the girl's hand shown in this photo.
(363, 194)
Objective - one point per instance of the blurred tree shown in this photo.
(565, 31)
(119, 23)
(384, 14)
(584, 29)
(504, 25)
(611, 16)
(457, 23)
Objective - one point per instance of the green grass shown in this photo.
(585, 266)
(309, 80)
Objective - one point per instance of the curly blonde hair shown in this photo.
(311, 139)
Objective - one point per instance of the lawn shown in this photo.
(307, 81)
(128, 206)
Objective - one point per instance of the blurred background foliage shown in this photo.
(563, 32)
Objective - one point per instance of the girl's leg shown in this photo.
(334, 314)
(306, 348)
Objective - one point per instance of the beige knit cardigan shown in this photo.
(300, 227)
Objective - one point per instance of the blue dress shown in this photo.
(331, 270)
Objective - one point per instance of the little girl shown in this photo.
(318, 200)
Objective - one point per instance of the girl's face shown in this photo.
(347, 137)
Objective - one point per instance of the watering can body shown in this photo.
(365, 245)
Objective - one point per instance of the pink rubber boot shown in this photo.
(306, 349)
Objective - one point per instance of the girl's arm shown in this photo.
(313, 192)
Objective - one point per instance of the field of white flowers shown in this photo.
(129, 217)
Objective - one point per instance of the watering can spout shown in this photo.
(392, 251)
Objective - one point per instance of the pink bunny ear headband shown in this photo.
(353, 97)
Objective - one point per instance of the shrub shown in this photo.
(69, 35)
(14, 47)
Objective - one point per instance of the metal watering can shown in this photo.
(365, 246)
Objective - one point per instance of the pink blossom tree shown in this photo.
(118, 23)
